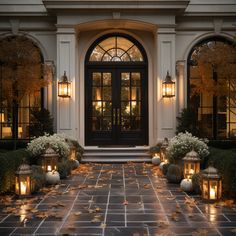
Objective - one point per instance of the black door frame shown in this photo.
(116, 67)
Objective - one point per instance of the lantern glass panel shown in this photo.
(73, 154)
(213, 189)
(49, 163)
(64, 89)
(17, 186)
(169, 89)
(219, 189)
(205, 189)
(23, 185)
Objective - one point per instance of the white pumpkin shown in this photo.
(76, 163)
(52, 177)
(156, 160)
(161, 165)
(186, 185)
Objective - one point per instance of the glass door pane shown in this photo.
(101, 101)
(130, 100)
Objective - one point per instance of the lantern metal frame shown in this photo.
(64, 87)
(191, 163)
(49, 160)
(211, 185)
(23, 181)
(168, 87)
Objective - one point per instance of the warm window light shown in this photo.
(168, 87)
(23, 182)
(191, 164)
(64, 87)
(211, 185)
(2, 116)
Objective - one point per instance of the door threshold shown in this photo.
(116, 146)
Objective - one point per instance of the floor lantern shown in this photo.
(50, 160)
(211, 185)
(191, 164)
(73, 150)
(23, 185)
(164, 146)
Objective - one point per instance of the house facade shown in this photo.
(116, 55)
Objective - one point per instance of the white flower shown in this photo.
(57, 142)
(183, 143)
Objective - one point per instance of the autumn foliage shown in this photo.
(22, 70)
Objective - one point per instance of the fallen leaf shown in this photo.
(78, 213)
(103, 225)
(190, 215)
(233, 230)
(174, 216)
(200, 232)
(34, 210)
(125, 202)
(162, 224)
(98, 209)
(171, 198)
(147, 186)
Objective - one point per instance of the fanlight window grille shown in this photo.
(117, 49)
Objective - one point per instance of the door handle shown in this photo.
(118, 116)
(114, 116)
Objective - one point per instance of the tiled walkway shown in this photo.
(119, 199)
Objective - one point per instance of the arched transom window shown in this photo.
(116, 48)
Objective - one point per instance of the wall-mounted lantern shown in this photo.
(211, 185)
(191, 164)
(168, 87)
(50, 160)
(23, 184)
(64, 87)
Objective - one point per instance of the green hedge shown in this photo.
(9, 162)
(8, 144)
(225, 162)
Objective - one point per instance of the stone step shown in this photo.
(114, 154)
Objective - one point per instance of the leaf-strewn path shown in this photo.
(115, 199)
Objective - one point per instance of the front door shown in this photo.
(116, 107)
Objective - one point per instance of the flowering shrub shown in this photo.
(56, 141)
(183, 143)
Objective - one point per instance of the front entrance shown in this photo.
(116, 97)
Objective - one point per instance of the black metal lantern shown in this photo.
(50, 160)
(168, 87)
(23, 184)
(211, 185)
(64, 87)
(191, 164)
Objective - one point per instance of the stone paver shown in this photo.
(119, 199)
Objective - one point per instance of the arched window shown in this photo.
(21, 79)
(212, 88)
(116, 48)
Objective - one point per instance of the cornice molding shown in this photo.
(75, 5)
